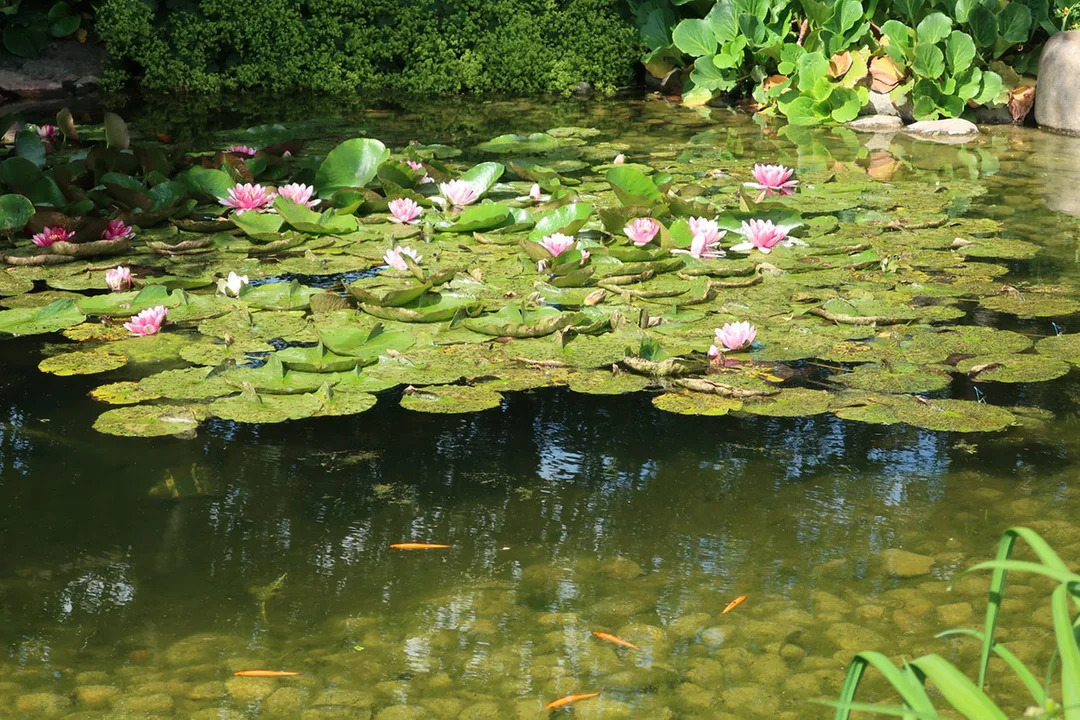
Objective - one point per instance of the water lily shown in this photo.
(394, 259)
(557, 243)
(763, 235)
(419, 167)
(459, 193)
(733, 336)
(248, 197)
(709, 228)
(404, 210)
(148, 322)
(50, 235)
(619, 159)
(584, 255)
(298, 193)
(118, 278)
(642, 230)
(117, 230)
(245, 150)
(48, 133)
(535, 193)
(233, 284)
(702, 248)
(773, 180)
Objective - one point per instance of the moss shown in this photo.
(421, 47)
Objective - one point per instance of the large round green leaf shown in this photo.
(352, 164)
(15, 211)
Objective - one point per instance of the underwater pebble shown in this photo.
(95, 695)
(43, 704)
(904, 564)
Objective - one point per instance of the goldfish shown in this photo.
(734, 604)
(607, 637)
(569, 700)
(418, 546)
(265, 673)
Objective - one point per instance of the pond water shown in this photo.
(138, 575)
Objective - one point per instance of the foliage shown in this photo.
(817, 60)
(873, 290)
(421, 47)
(29, 25)
(960, 692)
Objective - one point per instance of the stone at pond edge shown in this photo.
(904, 564)
(1057, 101)
(876, 123)
(951, 127)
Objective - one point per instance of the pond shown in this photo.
(139, 574)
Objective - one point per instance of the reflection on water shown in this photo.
(137, 575)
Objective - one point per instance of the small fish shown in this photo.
(569, 700)
(734, 604)
(265, 673)
(418, 546)
(607, 637)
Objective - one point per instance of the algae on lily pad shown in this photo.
(194, 383)
(122, 393)
(953, 415)
(894, 378)
(253, 407)
(692, 403)
(451, 399)
(81, 363)
(1013, 368)
(793, 402)
(605, 382)
(149, 420)
(1062, 347)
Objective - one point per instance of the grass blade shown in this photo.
(1069, 652)
(913, 694)
(1008, 540)
(1038, 693)
(958, 690)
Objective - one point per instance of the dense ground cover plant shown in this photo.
(965, 696)
(419, 47)
(815, 61)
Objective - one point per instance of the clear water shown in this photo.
(131, 569)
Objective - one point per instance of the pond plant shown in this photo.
(287, 284)
(965, 696)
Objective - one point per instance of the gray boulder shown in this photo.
(1057, 101)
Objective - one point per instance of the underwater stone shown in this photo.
(769, 669)
(714, 637)
(286, 701)
(482, 711)
(854, 638)
(346, 698)
(250, 689)
(688, 627)
(705, 672)
(904, 564)
(402, 712)
(623, 569)
(803, 684)
(95, 695)
(207, 691)
(43, 704)
(155, 703)
(955, 614)
(756, 700)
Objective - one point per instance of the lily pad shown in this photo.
(149, 420)
(794, 402)
(451, 399)
(122, 393)
(690, 403)
(1062, 347)
(251, 407)
(894, 378)
(1013, 368)
(197, 383)
(81, 363)
(954, 415)
(600, 382)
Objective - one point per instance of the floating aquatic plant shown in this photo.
(305, 286)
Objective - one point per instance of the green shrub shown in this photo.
(419, 47)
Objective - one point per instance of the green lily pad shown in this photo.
(1062, 347)
(11, 284)
(335, 404)
(1013, 368)
(451, 399)
(122, 393)
(81, 363)
(600, 382)
(214, 353)
(195, 383)
(55, 316)
(252, 407)
(954, 415)
(894, 379)
(794, 402)
(1031, 304)
(689, 403)
(149, 420)
(998, 247)
(273, 378)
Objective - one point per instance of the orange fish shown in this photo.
(607, 637)
(265, 673)
(418, 546)
(734, 604)
(569, 700)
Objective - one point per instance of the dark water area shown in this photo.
(138, 574)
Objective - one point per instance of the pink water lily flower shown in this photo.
(459, 193)
(117, 230)
(619, 159)
(298, 193)
(245, 150)
(147, 322)
(48, 133)
(763, 235)
(535, 193)
(702, 248)
(404, 210)
(50, 235)
(773, 180)
(393, 257)
(557, 243)
(709, 228)
(419, 167)
(248, 197)
(642, 230)
(733, 336)
(118, 278)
